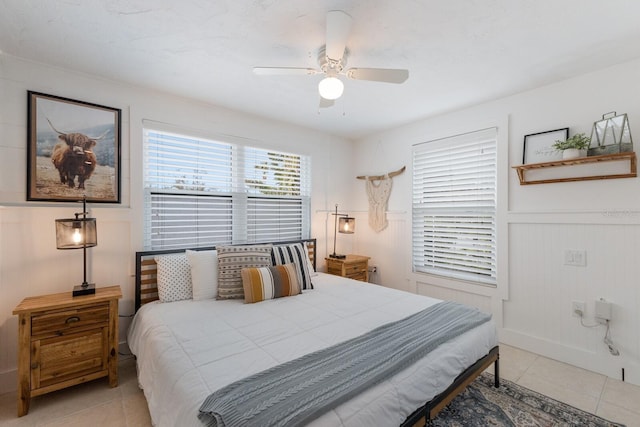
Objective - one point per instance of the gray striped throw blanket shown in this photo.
(298, 391)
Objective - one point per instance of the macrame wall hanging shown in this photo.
(378, 192)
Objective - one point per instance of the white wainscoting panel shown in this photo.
(538, 315)
(482, 302)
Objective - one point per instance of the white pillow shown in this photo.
(204, 273)
(174, 277)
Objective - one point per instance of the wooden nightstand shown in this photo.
(65, 340)
(353, 266)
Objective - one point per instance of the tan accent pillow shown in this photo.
(270, 282)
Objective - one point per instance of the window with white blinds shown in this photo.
(454, 207)
(200, 192)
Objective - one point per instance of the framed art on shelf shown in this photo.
(538, 147)
(73, 150)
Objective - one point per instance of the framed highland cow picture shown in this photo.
(73, 150)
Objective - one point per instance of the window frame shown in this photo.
(467, 212)
(244, 160)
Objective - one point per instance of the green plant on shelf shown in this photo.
(578, 141)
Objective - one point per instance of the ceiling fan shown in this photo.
(332, 60)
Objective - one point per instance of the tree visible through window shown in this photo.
(277, 175)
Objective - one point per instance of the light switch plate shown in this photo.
(575, 258)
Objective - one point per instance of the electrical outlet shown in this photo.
(577, 308)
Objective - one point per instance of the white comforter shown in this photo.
(188, 349)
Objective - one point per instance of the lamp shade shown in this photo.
(76, 233)
(331, 88)
(347, 225)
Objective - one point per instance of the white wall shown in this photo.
(29, 262)
(532, 303)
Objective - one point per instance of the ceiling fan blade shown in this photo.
(386, 75)
(279, 71)
(338, 29)
(326, 103)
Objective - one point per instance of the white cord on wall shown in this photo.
(607, 339)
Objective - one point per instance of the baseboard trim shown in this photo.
(8, 381)
(600, 362)
(124, 352)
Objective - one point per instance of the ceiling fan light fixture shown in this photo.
(331, 88)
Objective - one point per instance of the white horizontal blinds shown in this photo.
(272, 173)
(271, 219)
(200, 192)
(184, 163)
(186, 221)
(278, 195)
(188, 182)
(454, 207)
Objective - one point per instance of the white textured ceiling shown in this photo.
(459, 52)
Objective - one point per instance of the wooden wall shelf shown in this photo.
(595, 171)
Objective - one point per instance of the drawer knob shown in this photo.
(72, 319)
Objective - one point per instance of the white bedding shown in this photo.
(188, 349)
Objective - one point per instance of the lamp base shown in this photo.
(88, 289)
(336, 256)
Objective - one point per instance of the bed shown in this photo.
(185, 350)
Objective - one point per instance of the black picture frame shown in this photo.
(538, 147)
(73, 150)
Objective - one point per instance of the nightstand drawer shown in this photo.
(354, 269)
(362, 276)
(62, 322)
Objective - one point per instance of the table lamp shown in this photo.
(78, 233)
(347, 225)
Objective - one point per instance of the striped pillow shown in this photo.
(294, 253)
(231, 261)
(269, 282)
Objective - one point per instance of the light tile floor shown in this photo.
(95, 404)
(92, 404)
(609, 398)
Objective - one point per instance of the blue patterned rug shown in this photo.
(482, 405)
